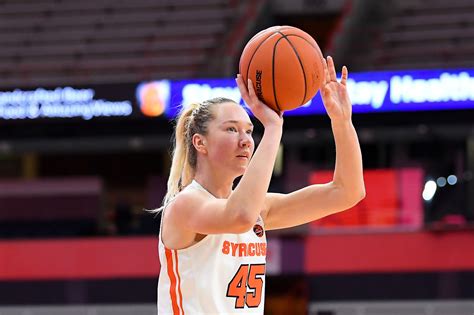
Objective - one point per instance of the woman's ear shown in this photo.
(200, 143)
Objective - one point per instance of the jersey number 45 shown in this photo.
(247, 285)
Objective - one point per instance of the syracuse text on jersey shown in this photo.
(244, 249)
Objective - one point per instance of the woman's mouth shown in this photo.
(242, 157)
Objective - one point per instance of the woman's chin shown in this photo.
(241, 170)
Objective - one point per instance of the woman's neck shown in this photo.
(218, 186)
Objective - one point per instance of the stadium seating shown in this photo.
(45, 42)
(427, 34)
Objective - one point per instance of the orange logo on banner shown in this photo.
(153, 97)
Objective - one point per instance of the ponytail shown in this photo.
(181, 172)
(191, 120)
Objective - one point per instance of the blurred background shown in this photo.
(88, 90)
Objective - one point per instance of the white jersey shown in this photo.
(221, 274)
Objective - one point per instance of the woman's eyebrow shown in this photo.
(236, 122)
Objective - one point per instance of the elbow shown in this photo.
(351, 196)
(356, 196)
(358, 191)
(362, 194)
(243, 221)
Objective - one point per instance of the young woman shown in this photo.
(212, 242)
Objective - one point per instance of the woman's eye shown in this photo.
(249, 132)
(231, 129)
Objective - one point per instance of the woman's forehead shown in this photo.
(231, 111)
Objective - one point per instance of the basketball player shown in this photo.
(212, 242)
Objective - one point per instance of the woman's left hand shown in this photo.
(334, 94)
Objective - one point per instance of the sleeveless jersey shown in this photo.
(221, 274)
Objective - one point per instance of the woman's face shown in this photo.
(229, 141)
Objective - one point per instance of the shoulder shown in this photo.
(185, 201)
(175, 232)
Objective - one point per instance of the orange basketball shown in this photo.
(285, 66)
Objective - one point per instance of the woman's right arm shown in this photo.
(240, 211)
(249, 196)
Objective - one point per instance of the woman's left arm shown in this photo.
(347, 187)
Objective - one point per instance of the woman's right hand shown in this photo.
(267, 116)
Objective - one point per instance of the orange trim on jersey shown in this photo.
(179, 283)
(171, 275)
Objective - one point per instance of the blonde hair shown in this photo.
(191, 120)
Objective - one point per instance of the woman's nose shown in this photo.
(245, 141)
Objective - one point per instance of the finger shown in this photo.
(252, 94)
(242, 88)
(332, 70)
(344, 75)
(324, 91)
(326, 73)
